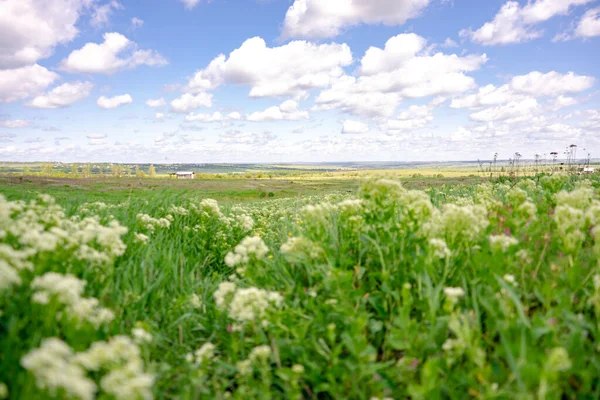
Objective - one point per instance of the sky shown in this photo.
(232, 81)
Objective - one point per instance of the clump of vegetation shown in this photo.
(485, 291)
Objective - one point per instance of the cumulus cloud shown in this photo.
(352, 126)
(290, 69)
(321, 19)
(515, 111)
(114, 54)
(21, 83)
(214, 117)
(15, 123)
(31, 29)
(188, 102)
(402, 69)
(415, 117)
(288, 110)
(551, 84)
(516, 24)
(114, 102)
(63, 95)
(533, 84)
(587, 27)
(487, 96)
(156, 102)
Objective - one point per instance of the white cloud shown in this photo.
(247, 138)
(101, 14)
(536, 84)
(403, 69)
(214, 117)
(515, 111)
(416, 117)
(461, 135)
(320, 19)
(136, 23)
(449, 42)
(156, 102)
(189, 4)
(516, 24)
(21, 83)
(15, 123)
(562, 102)
(290, 69)
(30, 29)
(288, 110)
(588, 26)
(63, 95)
(352, 126)
(551, 84)
(114, 102)
(106, 57)
(159, 115)
(486, 96)
(96, 139)
(188, 102)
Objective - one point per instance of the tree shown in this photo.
(47, 169)
(151, 171)
(87, 170)
(138, 172)
(75, 169)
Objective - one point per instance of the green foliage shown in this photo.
(484, 291)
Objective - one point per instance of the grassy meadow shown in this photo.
(360, 285)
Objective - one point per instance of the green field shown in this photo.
(362, 284)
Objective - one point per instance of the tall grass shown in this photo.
(484, 291)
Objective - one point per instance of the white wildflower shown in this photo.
(510, 279)
(67, 290)
(440, 248)
(205, 353)
(8, 276)
(245, 222)
(244, 367)
(502, 242)
(51, 365)
(141, 238)
(141, 335)
(260, 353)
(298, 369)
(454, 293)
(250, 246)
(222, 294)
(195, 301)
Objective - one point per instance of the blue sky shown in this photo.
(302, 80)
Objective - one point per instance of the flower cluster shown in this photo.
(458, 223)
(246, 304)
(67, 291)
(203, 355)
(151, 223)
(502, 242)
(251, 246)
(299, 248)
